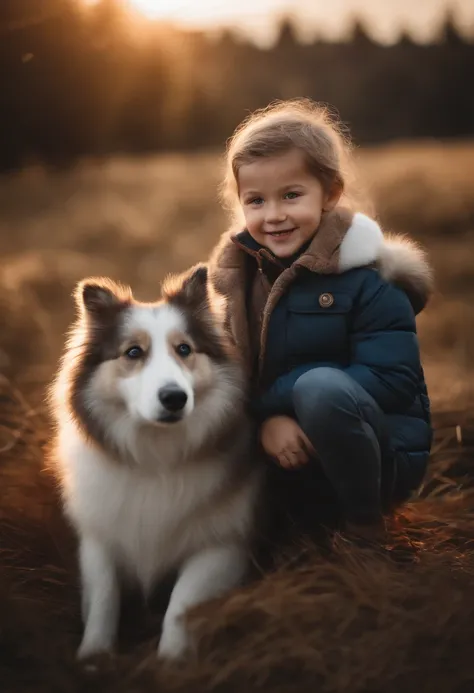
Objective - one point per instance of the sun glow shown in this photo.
(198, 11)
(252, 17)
(167, 9)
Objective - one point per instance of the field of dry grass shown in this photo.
(352, 623)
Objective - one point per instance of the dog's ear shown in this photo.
(195, 283)
(98, 296)
(189, 288)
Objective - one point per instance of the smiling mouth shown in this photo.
(278, 234)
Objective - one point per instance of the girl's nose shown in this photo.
(275, 214)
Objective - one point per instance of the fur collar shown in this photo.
(345, 241)
(399, 260)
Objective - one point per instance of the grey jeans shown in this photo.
(346, 427)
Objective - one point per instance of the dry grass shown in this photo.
(347, 622)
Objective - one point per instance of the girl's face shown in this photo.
(282, 202)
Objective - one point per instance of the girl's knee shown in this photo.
(321, 392)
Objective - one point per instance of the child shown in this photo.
(322, 308)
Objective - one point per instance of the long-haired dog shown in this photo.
(154, 452)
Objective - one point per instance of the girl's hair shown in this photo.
(280, 127)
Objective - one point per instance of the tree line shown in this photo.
(81, 80)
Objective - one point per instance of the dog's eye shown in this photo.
(183, 350)
(134, 352)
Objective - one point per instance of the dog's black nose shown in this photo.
(172, 398)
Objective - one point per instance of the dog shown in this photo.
(153, 452)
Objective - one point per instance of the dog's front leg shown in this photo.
(204, 576)
(100, 598)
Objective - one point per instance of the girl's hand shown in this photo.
(283, 439)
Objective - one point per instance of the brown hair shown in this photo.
(284, 125)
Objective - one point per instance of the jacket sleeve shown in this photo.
(385, 356)
(278, 399)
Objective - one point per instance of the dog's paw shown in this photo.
(92, 648)
(174, 644)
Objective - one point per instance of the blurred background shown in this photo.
(113, 120)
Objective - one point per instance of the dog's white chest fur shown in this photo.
(149, 522)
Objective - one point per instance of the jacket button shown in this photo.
(326, 300)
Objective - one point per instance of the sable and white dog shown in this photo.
(154, 452)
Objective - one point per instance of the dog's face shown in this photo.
(149, 361)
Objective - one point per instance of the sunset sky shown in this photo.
(258, 18)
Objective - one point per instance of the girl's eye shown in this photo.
(256, 201)
(134, 352)
(183, 350)
(292, 195)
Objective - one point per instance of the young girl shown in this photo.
(322, 308)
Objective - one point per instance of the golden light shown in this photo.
(199, 11)
(254, 17)
(160, 9)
